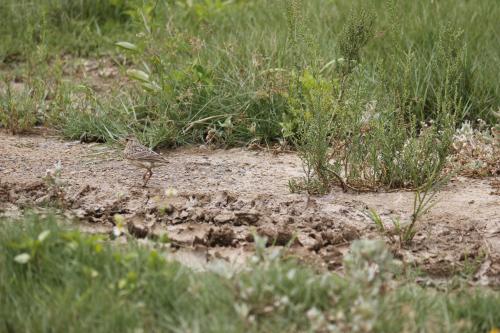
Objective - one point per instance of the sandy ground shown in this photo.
(224, 197)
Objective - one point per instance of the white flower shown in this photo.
(313, 313)
(118, 230)
(119, 227)
(291, 274)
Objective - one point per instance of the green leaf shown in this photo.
(151, 86)
(122, 283)
(227, 123)
(138, 75)
(43, 235)
(22, 258)
(127, 46)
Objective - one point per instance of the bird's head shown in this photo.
(128, 139)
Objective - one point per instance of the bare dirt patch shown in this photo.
(225, 197)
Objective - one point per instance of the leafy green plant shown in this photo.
(382, 142)
(313, 132)
(315, 101)
(30, 248)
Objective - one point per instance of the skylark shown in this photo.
(142, 157)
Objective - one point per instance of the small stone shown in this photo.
(137, 230)
(224, 218)
(220, 237)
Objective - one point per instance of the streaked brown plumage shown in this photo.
(142, 157)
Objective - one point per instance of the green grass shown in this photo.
(76, 27)
(214, 53)
(221, 61)
(56, 279)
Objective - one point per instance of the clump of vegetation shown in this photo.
(345, 136)
(315, 103)
(52, 275)
(403, 232)
(55, 185)
(476, 151)
(19, 107)
(205, 93)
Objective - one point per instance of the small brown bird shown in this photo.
(142, 157)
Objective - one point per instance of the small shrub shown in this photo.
(424, 200)
(345, 136)
(314, 102)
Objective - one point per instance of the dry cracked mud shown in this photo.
(225, 197)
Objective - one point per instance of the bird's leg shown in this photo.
(147, 176)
